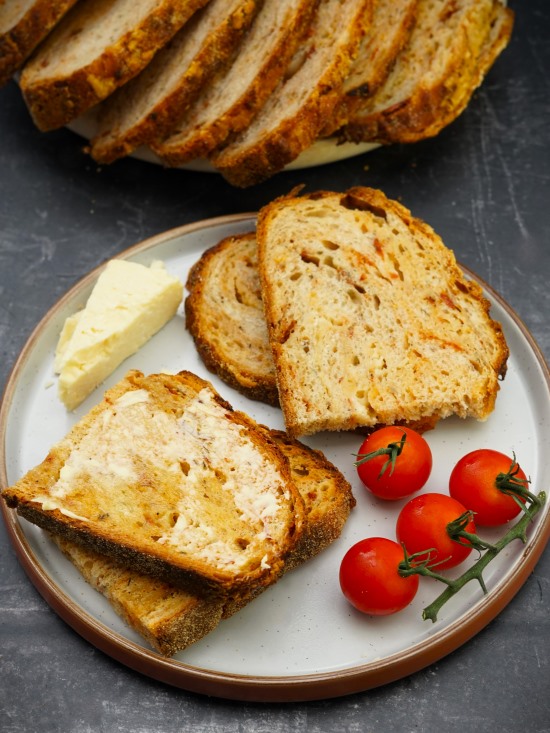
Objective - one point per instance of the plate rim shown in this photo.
(257, 688)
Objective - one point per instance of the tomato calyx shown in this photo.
(392, 450)
(509, 483)
(419, 563)
(457, 532)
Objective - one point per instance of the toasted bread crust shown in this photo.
(20, 36)
(336, 268)
(224, 314)
(150, 106)
(56, 99)
(130, 531)
(296, 112)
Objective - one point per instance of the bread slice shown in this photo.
(454, 104)
(224, 314)
(164, 476)
(93, 51)
(437, 66)
(23, 25)
(171, 619)
(150, 105)
(228, 103)
(370, 319)
(297, 110)
(391, 26)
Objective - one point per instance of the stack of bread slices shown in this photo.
(348, 312)
(179, 509)
(248, 85)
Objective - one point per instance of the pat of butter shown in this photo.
(128, 305)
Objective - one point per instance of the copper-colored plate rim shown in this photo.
(265, 688)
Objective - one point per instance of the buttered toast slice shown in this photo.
(163, 475)
(224, 314)
(370, 319)
(171, 619)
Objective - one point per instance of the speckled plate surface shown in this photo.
(300, 640)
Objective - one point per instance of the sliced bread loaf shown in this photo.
(164, 476)
(93, 51)
(149, 106)
(435, 67)
(229, 102)
(224, 314)
(23, 25)
(171, 619)
(297, 110)
(370, 319)
(389, 31)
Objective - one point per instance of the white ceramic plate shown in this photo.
(300, 639)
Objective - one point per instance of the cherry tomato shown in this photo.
(422, 525)
(370, 580)
(397, 476)
(473, 482)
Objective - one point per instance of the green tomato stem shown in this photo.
(392, 450)
(410, 565)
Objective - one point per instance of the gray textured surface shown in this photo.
(484, 184)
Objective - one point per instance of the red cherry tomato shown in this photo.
(406, 474)
(473, 482)
(422, 525)
(370, 580)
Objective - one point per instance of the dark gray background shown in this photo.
(483, 184)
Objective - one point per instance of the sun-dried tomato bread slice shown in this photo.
(296, 111)
(164, 476)
(230, 101)
(93, 51)
(370, 319)
(436, 67)
(149, 106)
(391, 26)
(23, 25)
(224, 314)
(171, 619)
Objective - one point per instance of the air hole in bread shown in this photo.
(354, 296)
(330, 245)
(376, 300)
(242, 543)
(313, 259)
(360, 394)
(397, 268)
(185, 468)
(296, 276)
(302, 471)
(329, 262)
(355, 361)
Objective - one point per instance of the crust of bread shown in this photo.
(20, 34)
(224, 315)
(297, 110)
(113, 484)
(391, 26)
(171, 619)
(370, 319)
(229, 103)
(149, 106)
(411, 106)
(64, 79)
